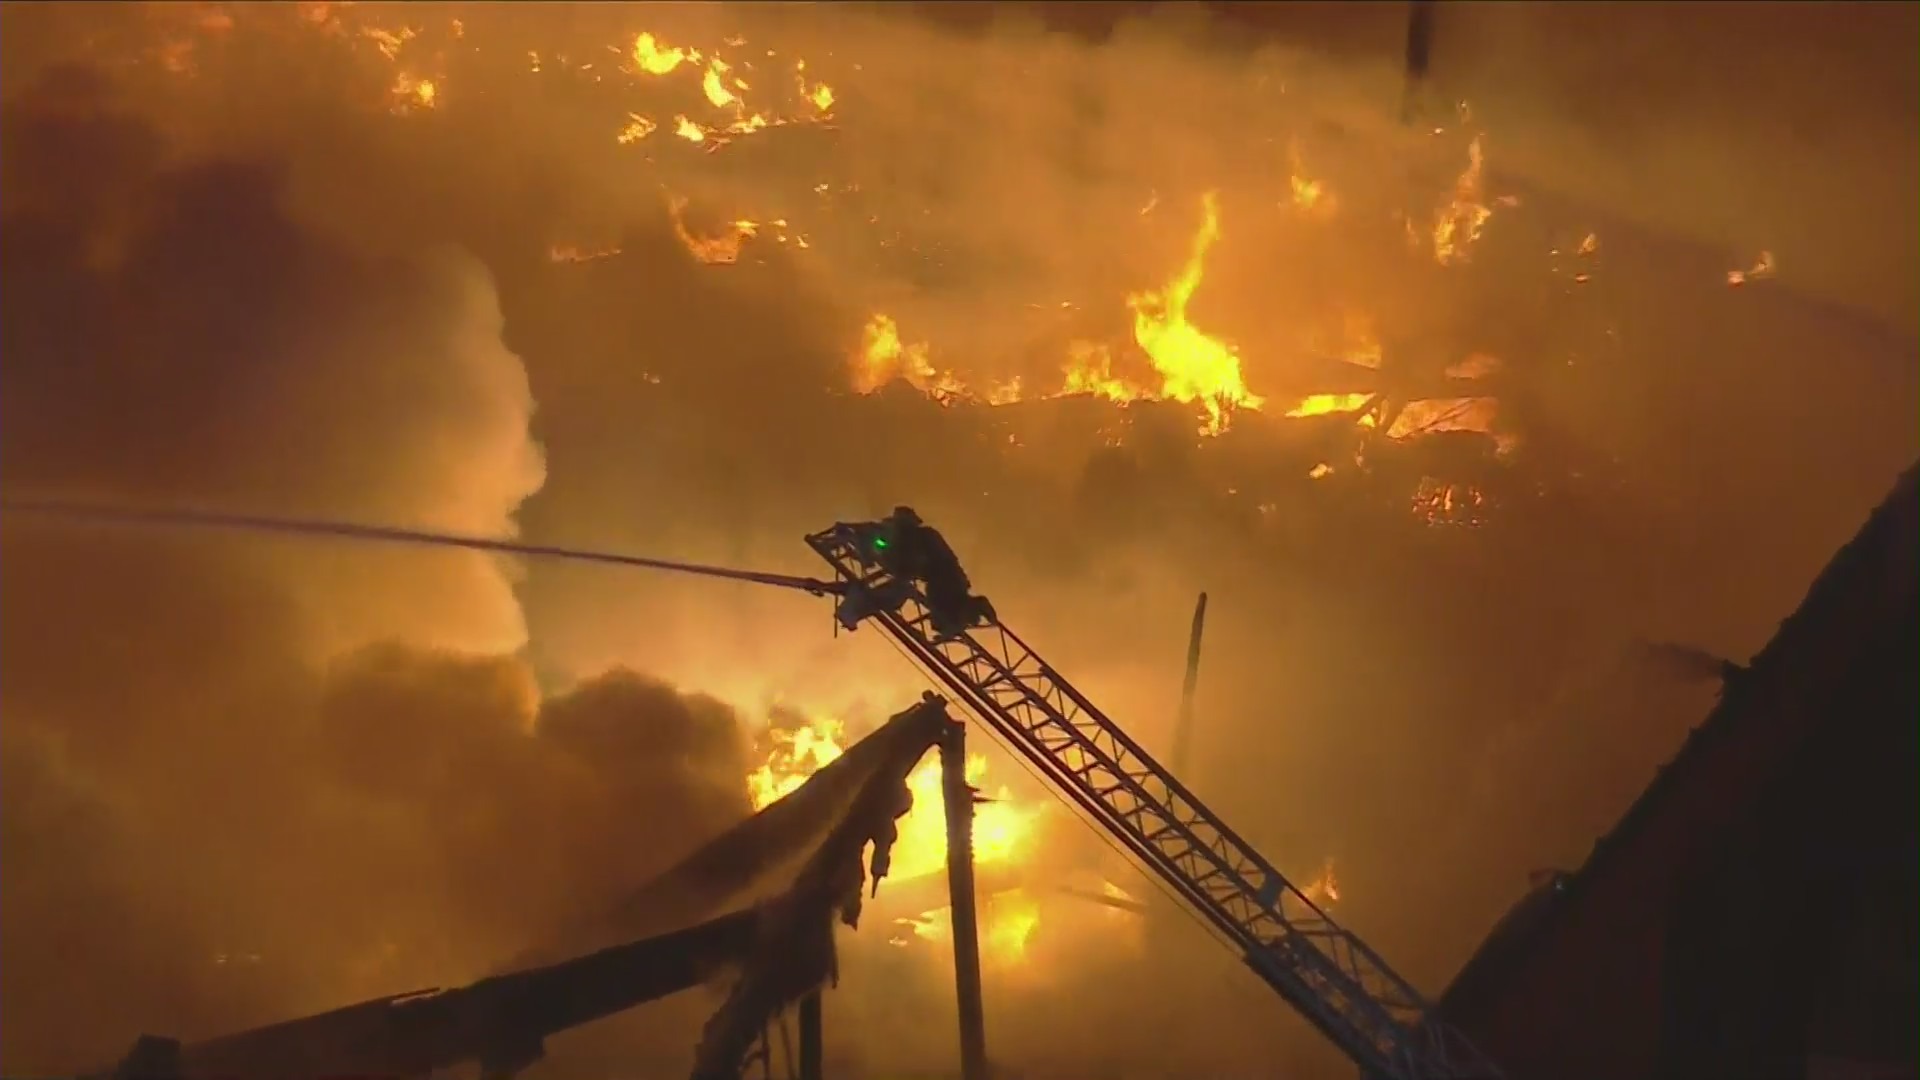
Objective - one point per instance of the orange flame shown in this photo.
(1089, 370)
(723, 249)
(654, 59)
(637, 127)
(1326, 404)
(1192, 365)
(1003, 830)
(883, 357)
(1310, 196)
(1458, 224)
(411, 94)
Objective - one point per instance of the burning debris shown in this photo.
(1122, 339)
(712, 94)
(795, 951)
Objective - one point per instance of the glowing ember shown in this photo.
(1310, 196)
(1193, 366)
(654, 59)
(1457, 225)
(819, 94)
(637, 127)
(723, 249)
(570, 253)
(713, 84)
(1762, 268)
(1434, 415)
(1326, 404)
(721, 88)
(1307, 194)
(1323, 890)
(1475, 366)
(1441, 503)
(410, 93)
(388, 42)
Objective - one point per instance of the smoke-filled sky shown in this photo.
(464, 267)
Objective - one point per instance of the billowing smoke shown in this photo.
(245, 782)
(323, 260)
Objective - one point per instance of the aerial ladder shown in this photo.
(1324, 971)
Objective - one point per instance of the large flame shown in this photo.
(724, 90)
(1003, 830)
(883, 357)
(1194, 366)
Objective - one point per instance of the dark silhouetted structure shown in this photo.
(1753, 914)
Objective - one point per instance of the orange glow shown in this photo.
(1435, 415)
(654, 59)
(1310, 196)
(1324, 889)
(713, 84)
(410, 94)
(883, 357)
(1362, 346)
(1007, 922)
(1441, 503)
(742, 91)
(1326, 404)
(1003, 830)
(1193, 366)
(1089, 370)
(388, 42)
(723, 249)
(636, 128)
(571, 253)
(1474, 366)
(1458, 224)
(1762, 268)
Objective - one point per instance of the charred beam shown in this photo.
(966, 916)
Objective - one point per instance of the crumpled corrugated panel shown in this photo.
(801, 856)
(764, 855)
(501, 1022)
(794, 952)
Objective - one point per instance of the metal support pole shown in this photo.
(1183, 725)
(810, 1053)
(966, 917)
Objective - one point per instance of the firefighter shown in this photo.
(908, 548)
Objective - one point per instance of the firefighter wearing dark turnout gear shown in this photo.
(911, 550)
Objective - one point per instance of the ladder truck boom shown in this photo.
(1325, 972)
